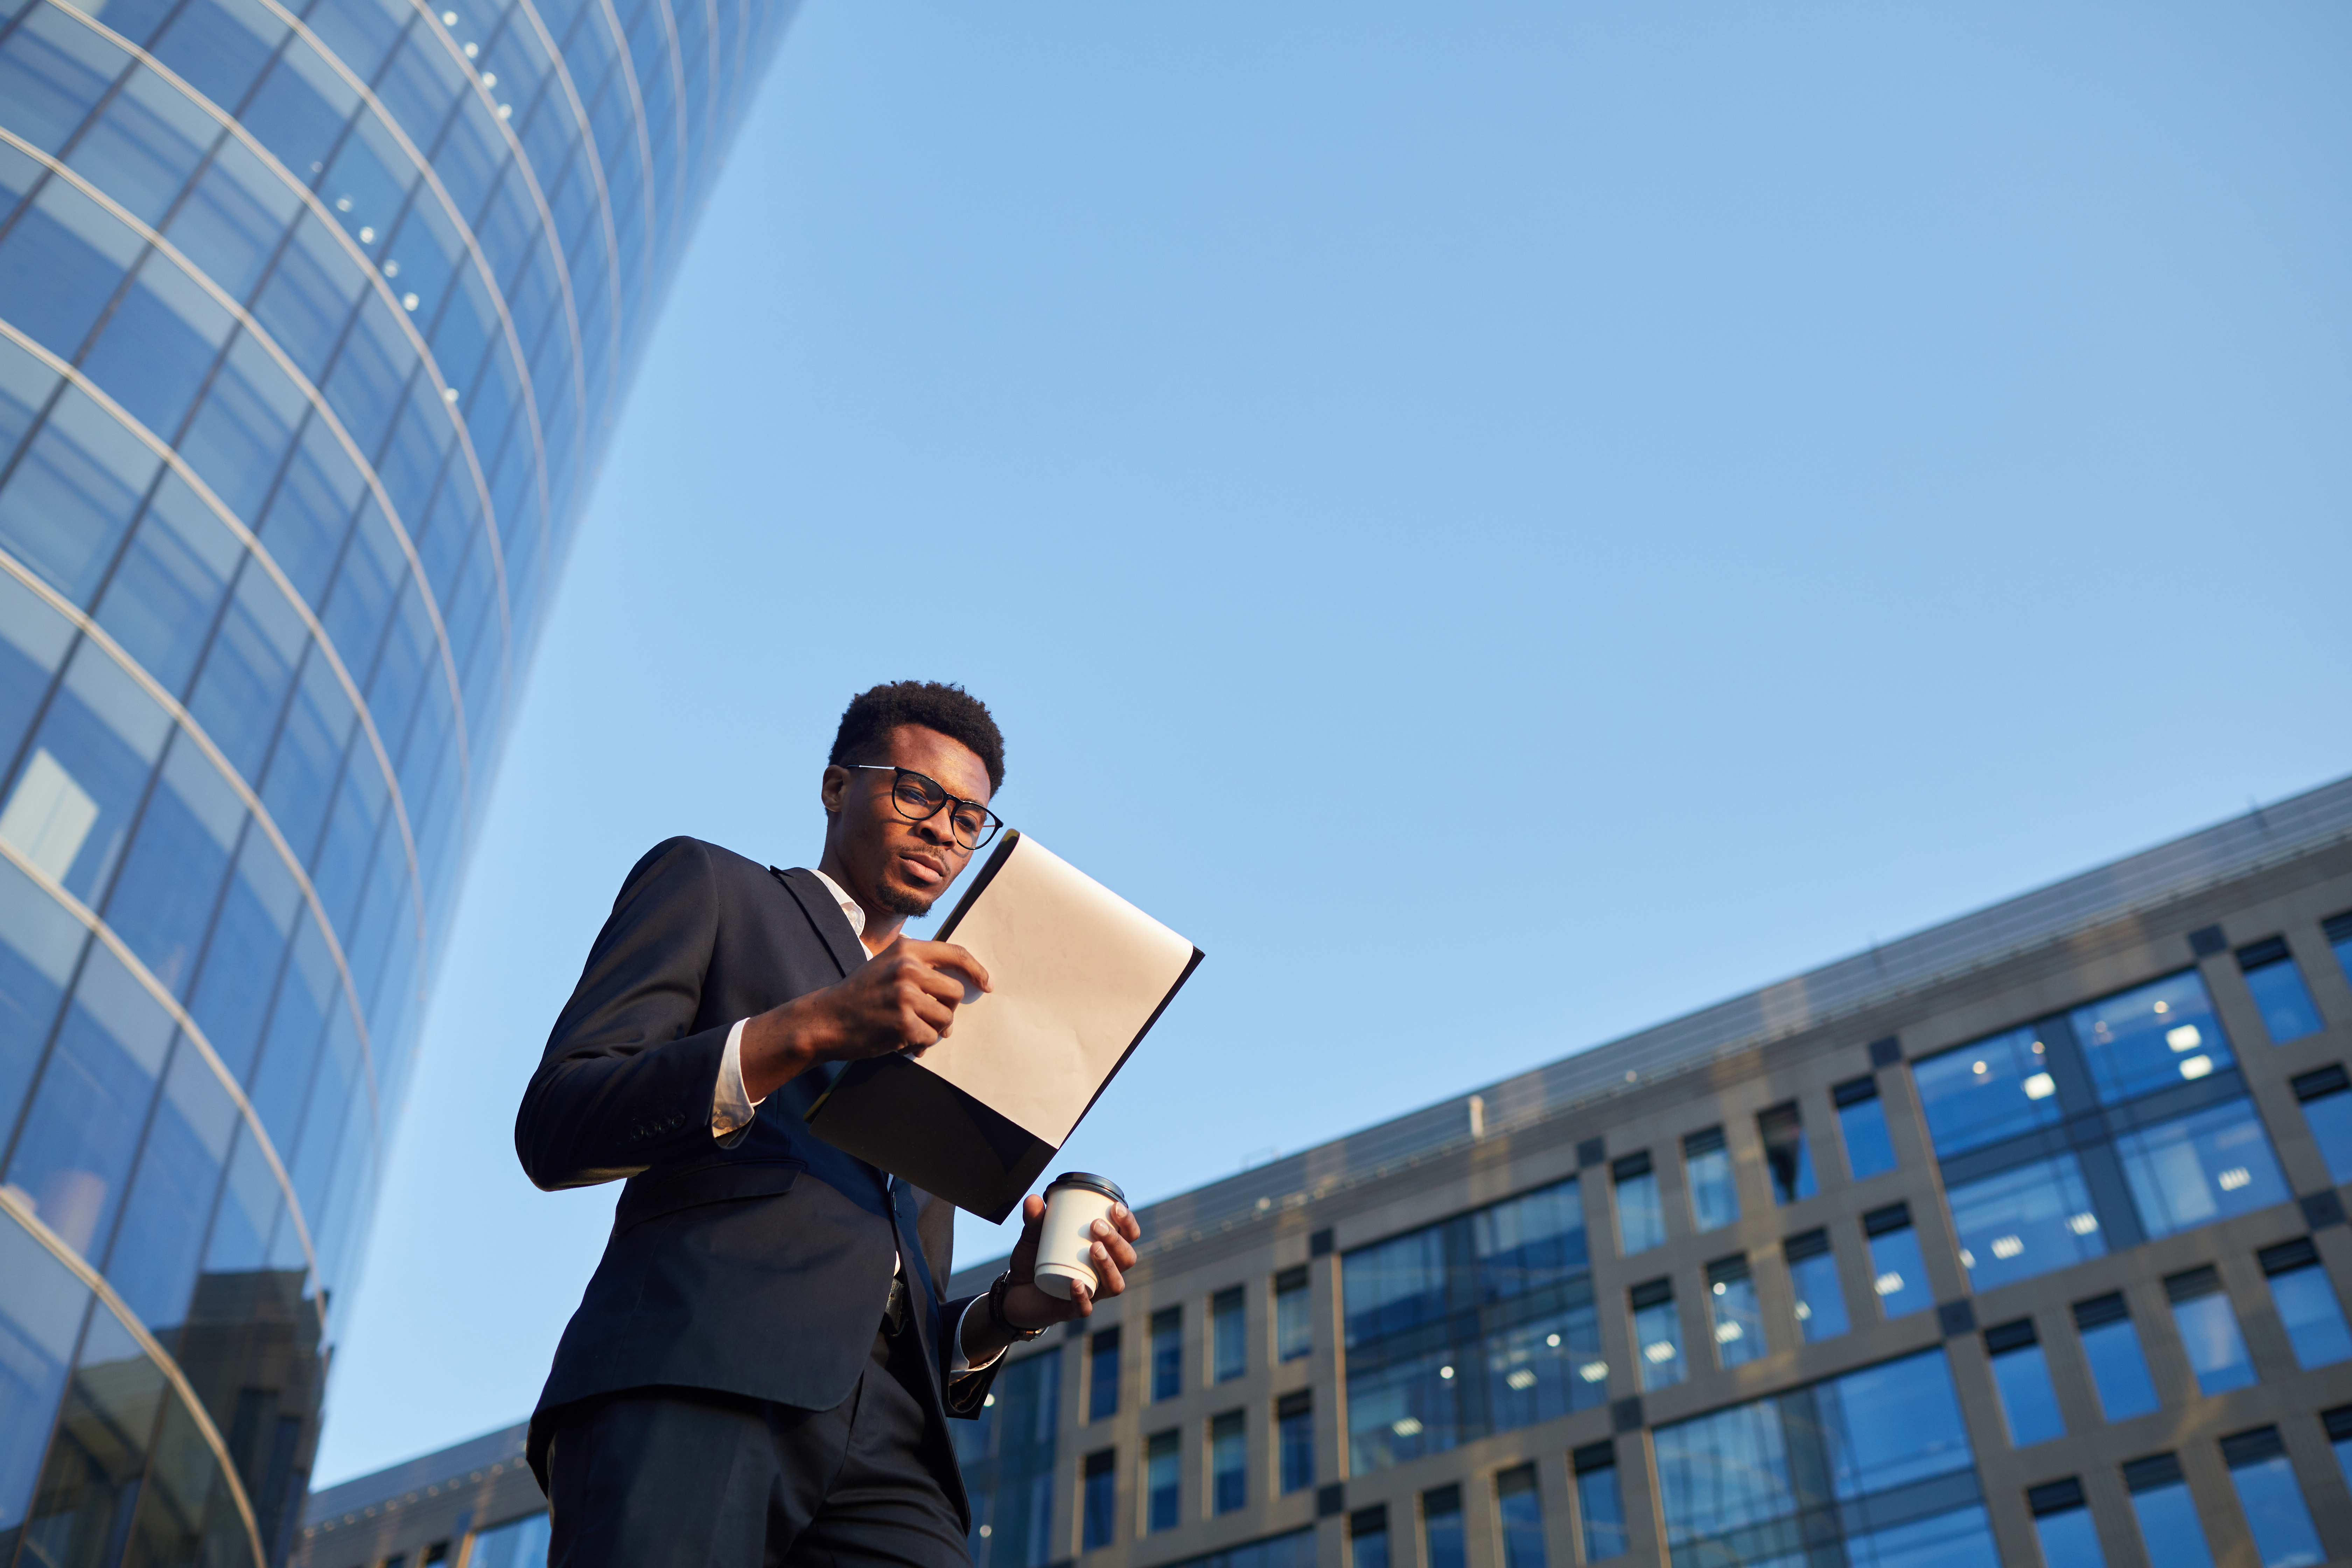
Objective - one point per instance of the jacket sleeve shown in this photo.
(622, 1085)
(962, 1392)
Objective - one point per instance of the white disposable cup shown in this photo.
(1065, 1260)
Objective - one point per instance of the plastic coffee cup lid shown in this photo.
(1093, 1183)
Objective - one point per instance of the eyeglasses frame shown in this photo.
(997, 823)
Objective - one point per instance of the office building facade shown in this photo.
(314, 317)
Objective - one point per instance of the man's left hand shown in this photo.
(1026, 1306)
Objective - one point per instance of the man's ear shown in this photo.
(833, 788)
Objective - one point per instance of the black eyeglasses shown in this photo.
(918, 799)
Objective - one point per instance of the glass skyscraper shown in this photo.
(314, 316)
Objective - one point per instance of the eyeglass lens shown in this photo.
(918, 797)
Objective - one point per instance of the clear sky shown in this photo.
(1504, 522)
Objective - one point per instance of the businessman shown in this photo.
(761, 1368)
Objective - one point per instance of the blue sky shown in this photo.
(1503, 523)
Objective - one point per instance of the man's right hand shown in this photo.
(904, 997)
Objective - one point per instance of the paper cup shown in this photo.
(1065, 1250)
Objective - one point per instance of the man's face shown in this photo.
(902, 866)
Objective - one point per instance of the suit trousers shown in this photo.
(655, 1478)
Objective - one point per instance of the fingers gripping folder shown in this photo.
(1080, 976)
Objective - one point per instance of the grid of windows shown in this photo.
(1007, 1459)
(312, 316)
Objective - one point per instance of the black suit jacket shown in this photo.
(760, 1269)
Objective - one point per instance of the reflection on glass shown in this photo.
(1167, 1352)
(2169, 1530)
(1401, 1408)
(2276, 1515)
(1657, 1335)
(1786, 1158)
(1706, 1168)
(1162, 1455)
(1441, 1527)
(2151, 1037)
(1814, 1276)
(1367, 1538)
(2309, 1311)
(1524, 1242)
(1098, 1495)
(1640, 1218)
(1862, 1124)
(2025, 1221)
(1599, 1506)
(517, 1543)
(2326, 1098)
(1732, 1313)
(1545, 1368)
(1228, 1463)
(1102, 1373)
(1519, 1511)
(1985, 1092)
(1898, 1274)
(1394, 1284)
(2021, 1374)
(1295, 1438)
(1228, 1344)
(2069, 1539)
(2209, 1333)
(1960, 1539)
(2111, 1347)
(2211, 1165)
(2279, 992)
(1294, 1315)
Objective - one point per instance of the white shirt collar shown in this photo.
(850, 906)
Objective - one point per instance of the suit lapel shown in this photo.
(825, 916)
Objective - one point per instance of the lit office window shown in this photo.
(1368, 1537)
(2276, 1515)
(1732, 1313)
(2338, 1425)
(2307, 1303)
(2209, 1331)
(1641, 1217)
(2211, 1165)
(1441, 1527)
(1599, 1505)
(1294, 1428)
(1294, 1315)
(2111, 1347)
(1228, 1463)
(1986, 1092)
(1546, 1367)
(2151, 1038)
(1163, 1466)
(1102, 1375)
(2169, 1530)
(1707, 1167)
(1898, 1274)
(2063, 1525)
(1813, 1276)
(1167, 1352)
(2326, 1097)
(1518, 1511)
(1098, 1493)
(2022, 1375)
(2024, 1221)
(2279, 992)
(1228, 1342)
(1782, 1133)
(1862, 1125)
(1657, 1334)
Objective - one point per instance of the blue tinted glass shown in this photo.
(39, 945)
(1786, 1158)
(2169, 1528)
(1369, 1550)
(1294, 1322)
(1296, 1439)
(169, 584)
(40, 1318)
(1529, 1241)
(1442, 1534)
(1401, 1409)
(308, 298)
(74, 493)
(2209, 1165)
(1545, 1368)
(1228, 1464)
(2288, 1012)
(1161, 1482)
(1723, 1472)
(1961, 1539)
(72, 802)
(1229, 1344)
(2024, 1222)
(2069, 1538)
(2331, 1128)
(2216, 1349)
(1892, 1425)
(1821, 1302)
(145, 145)
(158, 345)
(1715, 1202)
(1898, 1275)
(1518, 1509)
(242, 428)
(52, 71)
(1167, 1355)
(220, 46)
(2276, 1515)
(60, 264)
(153, 1260)
(1737, 1322)
(2151, 1037)
(230, 223)
(518, 1544)
(1658, 1345)
(2027, 1399)
(1984, 1092)
(1102, 1377)
(1869, 1152)
(2118, 1370)
(299, 109)
(1096, 1500)
(1641, 1219)
(1395, 1285)
(2314, 1318)
(1601, 1514)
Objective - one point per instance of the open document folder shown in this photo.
(1080, 976)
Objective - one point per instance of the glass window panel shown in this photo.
(2276, 1514)
(75, 1149)
(1167, 1352)
(2311, 1316)
(60, 264)
(1295, 1435)
(309, 520)
(1102, 1376)
(1401, 1409)
(26, 383)
(230, 223)
(1519, 1511)
(2211, 1165)
(1394, 1284)
(163, 597)
(310, 749)
(152, 1262)
(2169, 1528)
(1369, 1548)
(1869, 1152)
(2330, 1119)
(2069, 1538)
(171, 879)
(2151, 1037)
(1294, 1320)
(1738, 1321)
(231, 998)
(369, 182)
(1097, 1496)
(1162, 1483)
(361, 36)
(218, 46)
(519, 1542)
(1658, 1345)
(159, 344)
(299, 110)
(1601, 1514)
(309, 295)
(145, 146)
(2118, 1370)
(1229, 1344)
(292, 1055)
(100, 1448)
(1715, 1202)
(366, 584)
(1960, 1539)
(241, 689)
(250, 1202)
(1228, 1463)
(187, 1508)
(1891, 1424)
(243, 428)
(1983, 1093)
(1898, 1275)
(411, 470)
(370, 375)
(40, 1319)
(2027, 1398)
(74, 493)
(421, 83)
(2216, 1349)
(52, 72)
(1821, 1300)
(1723, 1472)
(1786, 1158)
(70, 809)
(2024, 1222)
(1641, 1217)
(1545, 1368)
(1531, 1241)
(1441, 1527)
(39, 945)
(2285, 1002)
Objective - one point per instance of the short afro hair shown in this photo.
(951, 710)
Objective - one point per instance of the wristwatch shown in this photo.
(997, 1309)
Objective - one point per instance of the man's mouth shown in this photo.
(923, 868)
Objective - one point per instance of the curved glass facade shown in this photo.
(314, 315)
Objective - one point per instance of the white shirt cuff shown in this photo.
(730, 1108)
(958, 1364)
